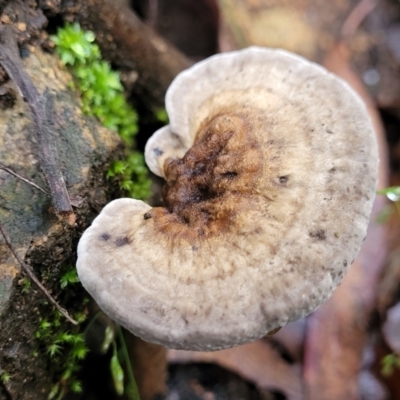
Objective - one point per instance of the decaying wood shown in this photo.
(42, 109)
(257, 362)
(149, 366)
(132, 46)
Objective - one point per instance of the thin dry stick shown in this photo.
(11, 172)
(31, 274)
(357, 16)
(42, 110)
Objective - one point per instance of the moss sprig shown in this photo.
(103, 97)
(65, 350)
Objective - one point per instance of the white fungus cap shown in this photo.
(271, 166)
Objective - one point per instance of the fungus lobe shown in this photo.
(255, 225)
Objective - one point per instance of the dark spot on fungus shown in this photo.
(318, 234)
(329, 131)
(283, 179)
(229, 175)
(121, 241)
(147, 216)
(158, 152)
(194, 248)
(105, 237)
(332, 170)
(345, 263)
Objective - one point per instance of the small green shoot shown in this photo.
(54, 349)
(80, 317)
(44, 325)
(389, 363)
(117, 372)
(109, 336)
(5, 377)
(132, 166)
(79, 349)
(161, 115)
(75, 45)
(54, 391)
(393, 194)
(69, 277)
(76, 386)
(25, 284)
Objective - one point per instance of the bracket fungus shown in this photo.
(270, 165)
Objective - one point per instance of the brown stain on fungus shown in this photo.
(216, 179)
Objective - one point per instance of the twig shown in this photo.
(357, 16)
(42, 110)
(11, 172)
(29, 271)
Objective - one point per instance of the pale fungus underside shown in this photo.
(270, 165)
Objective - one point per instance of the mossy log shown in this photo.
(42, 239)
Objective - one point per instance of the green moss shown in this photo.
(25, 284)
(71, 276)
(132, 165)
(102, 96)
(64, 347)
